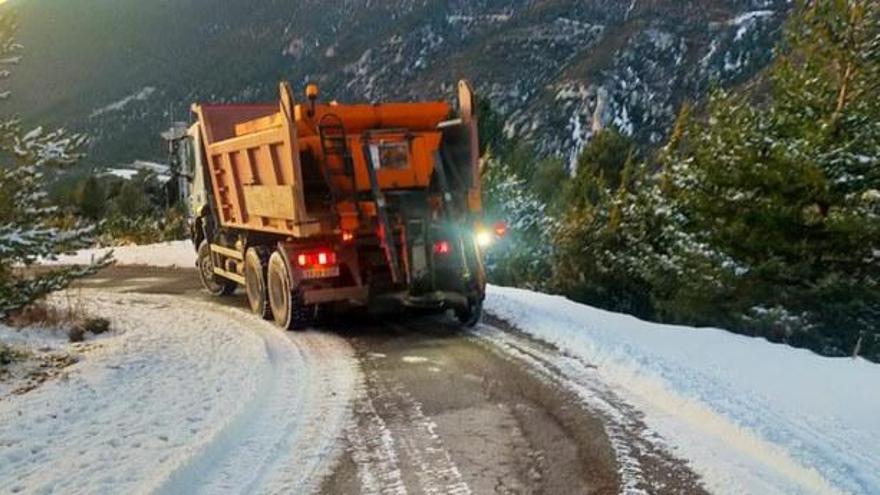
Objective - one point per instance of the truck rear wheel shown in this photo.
(470, 316)
(255, 260)
(213, 283)
(288, 308)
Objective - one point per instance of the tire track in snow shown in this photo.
(418, 440)
(376, 445)
(372, 445)
(183, 397)
(629, 439)
(639, 444)
(407, 435)
(286, 435)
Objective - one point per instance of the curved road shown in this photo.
(434, 410)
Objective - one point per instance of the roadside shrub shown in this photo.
(9, 355)
(27, 218)
(70, 316)
(97, 326)
(120, 230)
(76, 333)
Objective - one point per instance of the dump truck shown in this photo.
(313, 207)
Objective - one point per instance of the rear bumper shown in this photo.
(361, 296)
(431, 300)
(358, 295)
(436, 299)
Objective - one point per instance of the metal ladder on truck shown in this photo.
(334, 142)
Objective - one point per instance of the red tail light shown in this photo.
(500, 229)
(317, 258)
(442, 247)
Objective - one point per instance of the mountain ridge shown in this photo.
(122, 70)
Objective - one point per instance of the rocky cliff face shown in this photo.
(556, 69)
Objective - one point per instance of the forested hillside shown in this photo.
(123, 69)
(761, 213)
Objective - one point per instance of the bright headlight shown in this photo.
(484, 238)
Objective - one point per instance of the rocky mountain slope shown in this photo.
(124, 69)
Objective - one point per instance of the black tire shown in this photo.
(255, 261)
(325, 314)
(471, 315)
(289, 311)
(213, 283)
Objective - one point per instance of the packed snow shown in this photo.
(750, 416)
(182, 397)
(174, 254)
(42, 353)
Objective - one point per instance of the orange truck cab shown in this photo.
(315, 206)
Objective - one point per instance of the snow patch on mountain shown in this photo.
(142, 95)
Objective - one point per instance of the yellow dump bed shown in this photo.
(298, 169)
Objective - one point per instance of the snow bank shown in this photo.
(179, 254)
(182, 397)
(750, 416)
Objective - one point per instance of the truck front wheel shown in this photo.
(213, 283)
(288, 308)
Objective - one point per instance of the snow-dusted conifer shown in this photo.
(523, 258)
(785, 185)
(29, 228)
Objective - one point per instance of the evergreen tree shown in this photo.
(132, 201)
(523, 257)
(28, 228)
(91, 199)
(787, 190)
(764, 218)
(607, 154)
(491, 127)
(609, 231)
(548, 182)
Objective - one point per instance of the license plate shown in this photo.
(321, 272)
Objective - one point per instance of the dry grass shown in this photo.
(71, 315)
(23, 369)
(9, 355)
(42, 314)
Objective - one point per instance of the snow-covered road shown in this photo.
(750, 416)
(185, 397)
(660, 408)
